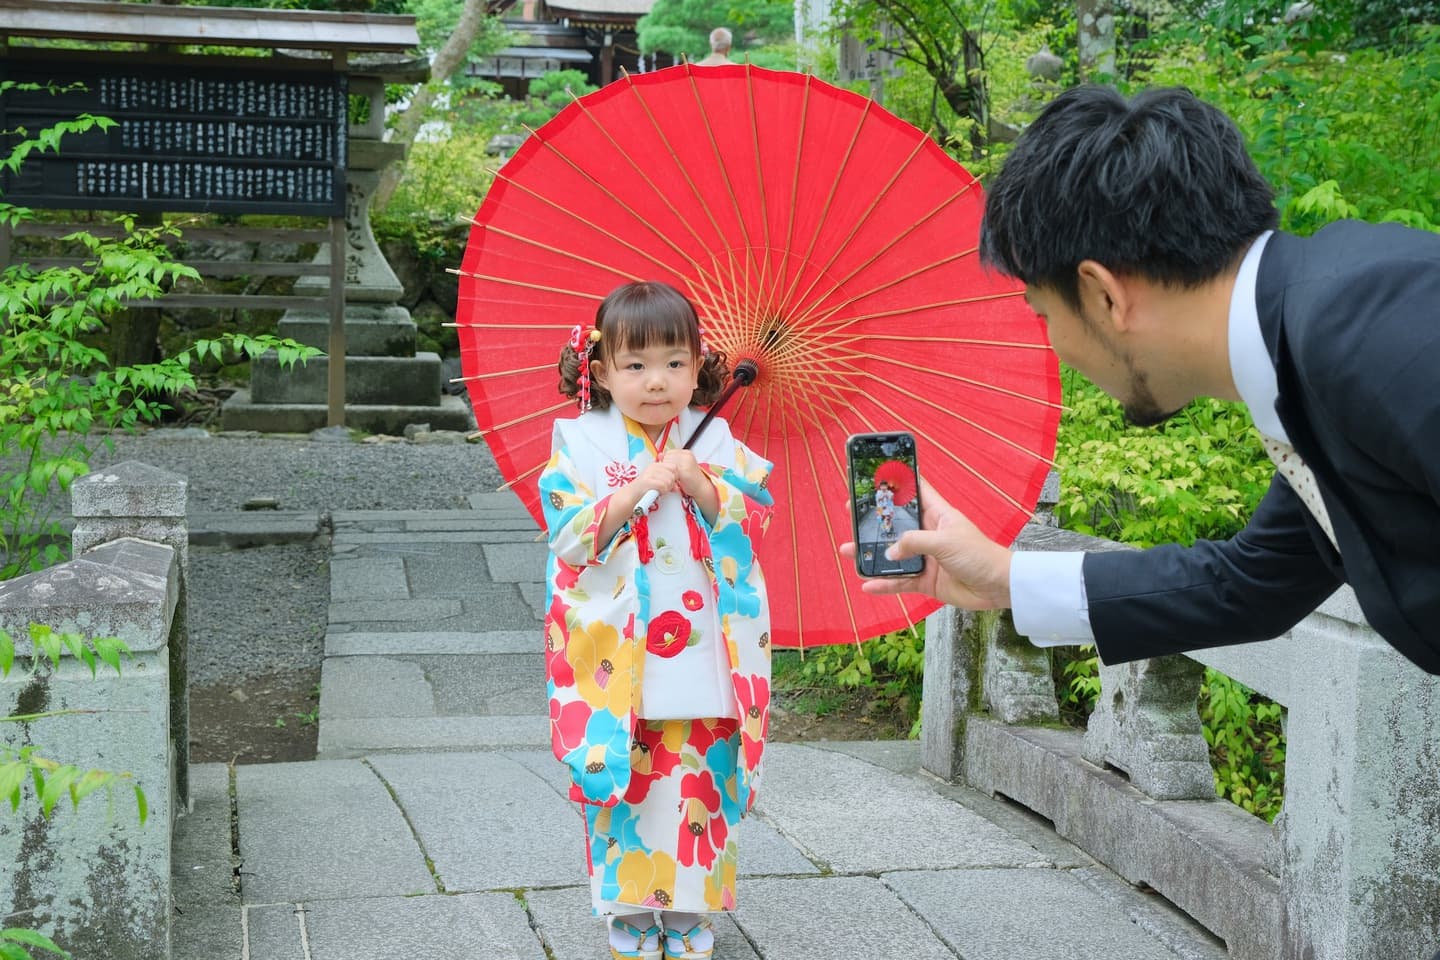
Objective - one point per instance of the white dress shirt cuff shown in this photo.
(1047, 598)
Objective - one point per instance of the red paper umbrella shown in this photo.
(901, 479)
(818, 235)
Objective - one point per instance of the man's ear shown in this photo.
(1104, 294)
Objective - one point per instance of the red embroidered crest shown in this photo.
(621, 473)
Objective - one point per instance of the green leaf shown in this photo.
(32, 938)
(57, 785)
(109, 650)
(12, 778)
(141, 804)
(91, 781)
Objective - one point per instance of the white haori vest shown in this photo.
(674, 586)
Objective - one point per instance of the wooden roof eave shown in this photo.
(211, 26)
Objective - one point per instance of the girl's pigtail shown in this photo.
(583, 343)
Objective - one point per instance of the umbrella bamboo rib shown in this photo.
(502, 373)
(511, 483)
(859, 221)
(533, 415)
(824, 213)
(584, 295)
(716, 306)
(476, 325)
(793, 428)
(723, 171)
(882, 250)
(841, 470)
(955, 341)
(635, 214)
(572, 255)
(610, 234)
(760, 184)
(968, 381)
(775, 459)
(825, 514)
(936, 305)
(720, 234)
(820, 318)
(795, 177)
(951, 412)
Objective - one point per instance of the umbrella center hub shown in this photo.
(774, 334)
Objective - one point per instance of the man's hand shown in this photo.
(966, 568)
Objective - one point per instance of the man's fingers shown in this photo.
(888, 585)
(913, 543)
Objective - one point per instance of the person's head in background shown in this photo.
(720, 40)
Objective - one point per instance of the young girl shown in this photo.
(657, 627)
(885, 507)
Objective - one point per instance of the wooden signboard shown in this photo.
(207, 140)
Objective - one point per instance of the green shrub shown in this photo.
(891, 668)
(1200, 475)
(552, 92)
(443, 180)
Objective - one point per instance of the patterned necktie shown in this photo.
(1302, 481)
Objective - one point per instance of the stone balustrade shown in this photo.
(1350, 870)
(95, 879)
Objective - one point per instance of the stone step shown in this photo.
(370, 330)
(404, 381)
(241, 412)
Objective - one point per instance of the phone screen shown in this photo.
(884, 500)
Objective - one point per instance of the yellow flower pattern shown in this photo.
(601, 660)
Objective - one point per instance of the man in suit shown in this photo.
(1146, 240)
(1145, 237)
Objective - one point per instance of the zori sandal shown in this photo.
(678, 945)
(647, 942)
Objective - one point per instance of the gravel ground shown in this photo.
(262, 610)
(225, 470)
(257, 612)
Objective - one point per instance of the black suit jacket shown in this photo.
(1351, 318)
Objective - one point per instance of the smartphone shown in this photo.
(884, 500)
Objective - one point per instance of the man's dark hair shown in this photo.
(1159, 186)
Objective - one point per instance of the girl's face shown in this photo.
(650, 385)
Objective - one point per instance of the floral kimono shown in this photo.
(661, 796)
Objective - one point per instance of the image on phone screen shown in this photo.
(885, 500)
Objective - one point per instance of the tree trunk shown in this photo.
(450, 58)
(1096, 39)
(968, 95)
(132, 336)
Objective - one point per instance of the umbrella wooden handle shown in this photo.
(743, 375)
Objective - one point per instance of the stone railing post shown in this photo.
(94, 879)
(973, 659)
(133, 499)
(1146, 725)
(1359, 833)
(951, 680)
